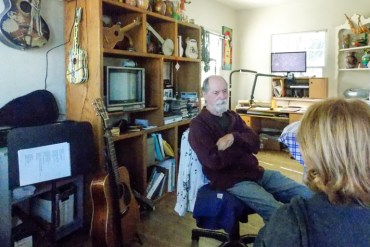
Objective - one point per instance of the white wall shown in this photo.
(22, 72)
(212, 16)
(256, 27)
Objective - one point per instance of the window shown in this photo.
(311, 42)
(215, 54)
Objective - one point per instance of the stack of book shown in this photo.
(162, 179)
(179, 107)
(172, 119)
(161, 148)
(193, 107)
(192, 103)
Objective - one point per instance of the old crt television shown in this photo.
(124, 88)
(288, 62)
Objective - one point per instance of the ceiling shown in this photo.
(253, 4)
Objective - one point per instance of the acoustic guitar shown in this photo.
(115, 210)
(21, 26)
(116, 33)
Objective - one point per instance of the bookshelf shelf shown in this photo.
(131, 147)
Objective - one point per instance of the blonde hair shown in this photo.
(334, 137)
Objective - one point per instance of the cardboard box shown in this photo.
(41, 206)
(22, 233)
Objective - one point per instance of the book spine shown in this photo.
(155, 185)
(157, 149)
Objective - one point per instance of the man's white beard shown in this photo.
(221, 106)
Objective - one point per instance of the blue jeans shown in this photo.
(269, 193)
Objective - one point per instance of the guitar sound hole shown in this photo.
(74, 60)
(25, 7)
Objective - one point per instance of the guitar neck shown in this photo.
(75, 37)
(77, 20)
(112, 155)
(35, 17)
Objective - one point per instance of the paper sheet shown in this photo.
(44, 163)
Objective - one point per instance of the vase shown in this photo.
(346, 39)
(176, 14)
(365, 58)
(181, 48)
(143, 4)
(131, 2)
(169, 8)
(160, 7)
(351, 60)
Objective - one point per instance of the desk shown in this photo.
(289, 138)
(286, 120)
(262, 117)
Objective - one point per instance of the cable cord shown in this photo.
(53, 48)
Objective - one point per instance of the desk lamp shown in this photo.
(251, 101)
(238, 71)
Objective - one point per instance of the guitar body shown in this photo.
(77, 67)
(21, 25)
(104, 222)
(116, 33)
(112, 35)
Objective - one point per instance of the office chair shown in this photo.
(213, 209)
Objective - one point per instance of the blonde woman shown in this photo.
(334, 136)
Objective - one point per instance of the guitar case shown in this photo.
(36, 108)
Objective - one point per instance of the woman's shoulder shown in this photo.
(286, 227)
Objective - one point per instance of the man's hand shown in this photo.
(225, 142)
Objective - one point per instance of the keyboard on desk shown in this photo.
(263, 113)
(266, 111)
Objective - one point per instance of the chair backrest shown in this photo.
(190, 177)
(212, 209)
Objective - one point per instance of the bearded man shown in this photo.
(226, 148)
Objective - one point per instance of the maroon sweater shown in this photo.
(233, 165)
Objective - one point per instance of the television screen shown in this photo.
(288, 62)
(125, 88)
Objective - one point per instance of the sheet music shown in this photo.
(44, 163)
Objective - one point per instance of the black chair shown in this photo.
(215, 210)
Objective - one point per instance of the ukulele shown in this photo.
(116, 33)
(115, 210)
(77, 67)
(21, 26)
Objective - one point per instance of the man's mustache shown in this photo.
(221, 102)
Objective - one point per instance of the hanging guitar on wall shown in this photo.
(77, 71)
(21, 26)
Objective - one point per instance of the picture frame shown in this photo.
(227, 59)
(168, 93)
(167, 74)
